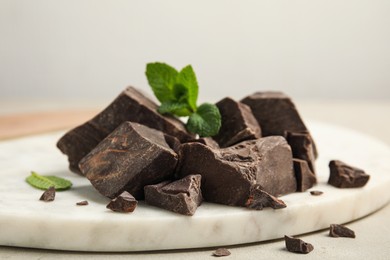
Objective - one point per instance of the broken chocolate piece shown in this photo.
(345, 176)
(297, 245)
(49, 194)
(125, 202)
(337, 230)
(182, 196)
(259, 199)
(221, 252)
(130, 105)
(302, 147)
(131, 157)
(316, 192)
(229, 173)
(82, 203)
(238, 123)
(206, 141)
(305, 177)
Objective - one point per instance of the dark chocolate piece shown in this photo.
(337, 230)
(82, 203)
(182, 196)
(305, 177)
(259, 199)
(125, 202)
(228, 174)
(49, 194)
(345, 176)
(297, 245)
(238, 123)
(302, 147)
(316, 192)
(206, 141)
(130, 105)
(131, 157)
(221, 252)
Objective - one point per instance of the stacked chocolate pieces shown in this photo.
(263, 146)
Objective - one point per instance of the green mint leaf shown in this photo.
(176, 108)
(161, 78)
(187, 79)
(206, 121)
(45, 182)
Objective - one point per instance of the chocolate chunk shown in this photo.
(316, 192)
(276, 113)
(49, 194)
(305, 177)
(221, 252)
(302, 147)
(259, 199)
(229, 173)
(130, 105)
(337, 230)
(182, 196)
(128, 159)
(125, 202)
(82, 203)
(345, 176)
(206, 141)
(238, 123)
(297, 245)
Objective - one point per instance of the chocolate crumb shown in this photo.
(337, 230)
(259, 199)
(297, 245)
(221, 252)
(343, 175)
(49, 194)
(125, 202)
(82, 203)
(316, 192)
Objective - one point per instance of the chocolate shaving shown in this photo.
(343, 175)
(316, 192)
(337, 230)
(297, 245)
(221, 252)
(49, 194)
(82, 203)
(125, 202)
(259, 199)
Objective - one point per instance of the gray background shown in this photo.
(93, 49)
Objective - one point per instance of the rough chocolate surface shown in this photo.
(297, 245)
(125, 202)
(228, 174)
(259, 199)
(337, 230)
(305, 178)
(238, 123)
(206, 141)
(302, 147)
(49, 194)
(131, 157)
(343, 175)
(130, 105)
(182, 196)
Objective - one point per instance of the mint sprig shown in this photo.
(44, 182)
(178, 94)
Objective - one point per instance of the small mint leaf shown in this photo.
(187, 79)
(45, 182)
(161, 78)
(175, 108)
(206, 121)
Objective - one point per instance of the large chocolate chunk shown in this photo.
(345, 176)
(128, 159)
(302, 147)
(228, 174)
(182, 196)
(130, 105)
(305, 178)
(238, 123)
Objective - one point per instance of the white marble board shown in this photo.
(27, 222)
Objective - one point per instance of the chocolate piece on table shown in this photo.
(49, 194)
(259, 199)
(125, 202)
(130, 105)
(276, 113)
(337, 230)
(297, 245)
(229, 173)
(305, 177)
(129, 158)
(316, 192)
(343, 175)
(221, 252)
(302, 147)
(238, 123)
(182, 196)
(82, 203)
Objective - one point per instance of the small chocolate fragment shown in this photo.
(337, 230)
(344, 176)
(316, 192)
(82, 203)
(221, 252)
(297, 245)
(302, 147)
(129, 158)
(305, 177)
(125, 202)
(259, 199)
(238, 123)
(182, 196)
(49, 194)
(130, 105)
